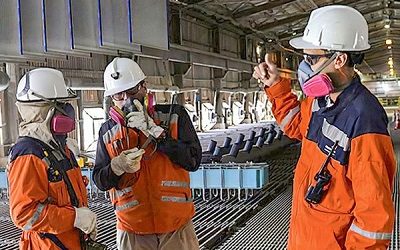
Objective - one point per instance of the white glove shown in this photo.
(137, 120)
(86, 221)
(72, 144)
(127, 161)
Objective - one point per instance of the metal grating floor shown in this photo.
(269, 228)
(395, 242)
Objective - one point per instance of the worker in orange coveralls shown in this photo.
(48, 199)
(342, 189)
(149, 183)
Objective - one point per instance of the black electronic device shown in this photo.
(315, 193)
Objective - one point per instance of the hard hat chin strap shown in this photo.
(52, 103)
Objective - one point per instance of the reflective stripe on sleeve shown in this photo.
(289, 117)
(370, 235)
(35, 217)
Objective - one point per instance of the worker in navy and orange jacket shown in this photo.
(148, 182)
(40, 203)
(348, 203)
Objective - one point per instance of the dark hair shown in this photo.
(354, 58)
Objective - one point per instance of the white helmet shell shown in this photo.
(334, 27)
(42, 83)
(122, 74)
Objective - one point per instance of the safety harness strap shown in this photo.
(54, 239)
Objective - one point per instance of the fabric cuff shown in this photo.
(279, 88)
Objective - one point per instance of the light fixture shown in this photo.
(387, 24)
(294, 33)
(388, 41)
(389, 47)
(390, 63)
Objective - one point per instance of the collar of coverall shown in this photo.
(348, 95)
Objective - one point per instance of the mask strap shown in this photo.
(51, 102)
(323, 66)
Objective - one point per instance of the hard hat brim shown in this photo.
(110, 92)
(71, 96)
(299, 43)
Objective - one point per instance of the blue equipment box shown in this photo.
(230, 176)
(209, 176)
(3, 178)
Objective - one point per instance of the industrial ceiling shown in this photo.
(281, 20)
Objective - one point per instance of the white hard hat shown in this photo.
(334, 27)
(42, 84)
(122, 74)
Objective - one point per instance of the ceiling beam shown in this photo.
(270, 25)
(383, 56)
(233, 21)
(194, 1)
(379, 61)
(377, 49)
(384, 37)
(286, 35)
(392, 7)
(372, 10)
(383, 31)
(266, 6)
(276, 3)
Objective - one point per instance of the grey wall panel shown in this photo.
(32, 27)
(9, 28)
(152, 67)
(58, 33)
(209, 61)
(85, 24)
(240, 66)
(150, 24)
(232, 76)
(116, 29)
(196, 35)
(177, 55)
(229, 44)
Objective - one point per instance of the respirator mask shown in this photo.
(118, 114)
(312, 82)
(63, 120)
